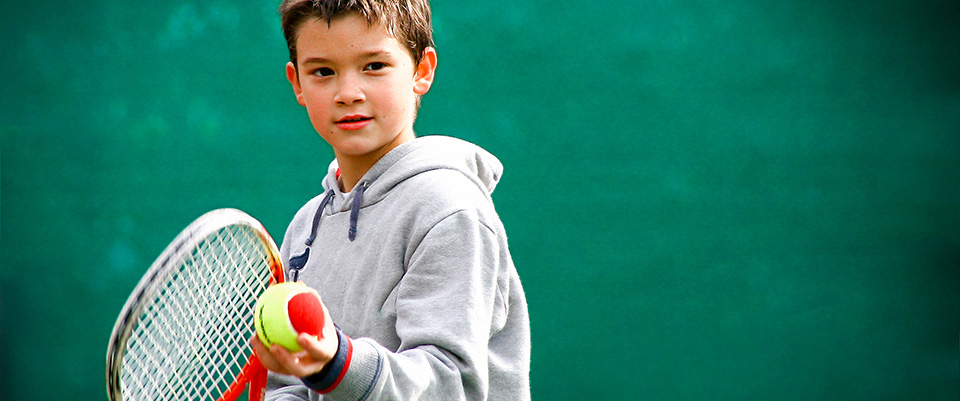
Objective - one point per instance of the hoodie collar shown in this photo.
(407, 160)
(414, 157)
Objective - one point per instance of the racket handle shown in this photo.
(258, 380)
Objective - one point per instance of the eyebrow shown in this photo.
(362, 56)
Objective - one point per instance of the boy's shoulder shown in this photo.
(443, 187)
(444, 168)
(437, 175)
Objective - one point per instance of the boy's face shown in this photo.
(359, 85)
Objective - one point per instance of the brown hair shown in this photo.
(406, 20)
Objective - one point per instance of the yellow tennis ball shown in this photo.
(284, 311)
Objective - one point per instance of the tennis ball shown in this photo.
(284, 311)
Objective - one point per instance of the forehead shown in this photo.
(342, 36)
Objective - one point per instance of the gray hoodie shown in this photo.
(414, 268)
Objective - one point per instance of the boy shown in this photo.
(404, 246)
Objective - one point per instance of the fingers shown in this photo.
(301, 363)
(267, 359)
(310, 360)
(321, 349)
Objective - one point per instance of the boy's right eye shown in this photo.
(323, 72)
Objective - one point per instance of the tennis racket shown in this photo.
(184, 333)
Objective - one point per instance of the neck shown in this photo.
(353, 167)
(351, 172)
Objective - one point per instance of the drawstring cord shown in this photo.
(298, 262)
(355, 211)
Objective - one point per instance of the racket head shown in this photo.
(184, 332)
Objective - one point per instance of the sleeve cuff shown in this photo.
(329, 378)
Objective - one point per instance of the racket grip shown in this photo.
(258, 380)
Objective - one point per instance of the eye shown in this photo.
(375, 66)
(323, 72)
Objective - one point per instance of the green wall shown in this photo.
(740, 200)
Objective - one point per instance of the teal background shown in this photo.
(739, 200)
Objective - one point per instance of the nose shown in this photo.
(349, 91)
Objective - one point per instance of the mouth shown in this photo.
(356, 118)
(353, 122)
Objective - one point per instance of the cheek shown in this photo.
(399, 98)
(315, 96)
(317, 114)
(316, 104)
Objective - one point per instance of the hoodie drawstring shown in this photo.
(355, 211)
(298, 262)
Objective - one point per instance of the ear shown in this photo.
(295, 82)
(425, 70)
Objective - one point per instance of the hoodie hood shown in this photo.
(415, 157)
(408, 160)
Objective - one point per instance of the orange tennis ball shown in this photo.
(284, 311)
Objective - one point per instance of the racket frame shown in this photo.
(146, 289)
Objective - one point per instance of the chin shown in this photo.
(358, 147)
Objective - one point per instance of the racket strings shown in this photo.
(192, 339)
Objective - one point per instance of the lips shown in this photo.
(353, 122)
(353, 118)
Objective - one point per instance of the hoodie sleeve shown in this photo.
(285, 388)
(448, 304)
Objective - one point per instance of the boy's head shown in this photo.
(359, 67)
(407, 20)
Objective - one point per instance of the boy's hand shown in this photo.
(314, 356)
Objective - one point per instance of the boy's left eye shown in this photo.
(375, 66)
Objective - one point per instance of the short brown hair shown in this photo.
(406, 20)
